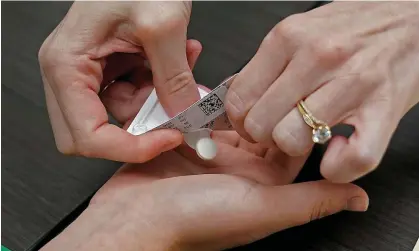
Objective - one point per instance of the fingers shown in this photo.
(119, 64)
(112, 142)
(274, 169)
(332, 103)
(290, 164)
(193, 50)
(227, 137)
(255, 78)
(268, 209)
(254, 211)
(296, 204)
(300, 78)
(172, 75)
(75, 74)
(93, 136)
(124, 99)
(349, 159)
(62, 133)
(266, 91)
(233, 138)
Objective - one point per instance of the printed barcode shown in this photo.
(211, 104)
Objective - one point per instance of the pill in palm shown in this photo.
(206, 148)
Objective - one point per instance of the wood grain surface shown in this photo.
(40, 186)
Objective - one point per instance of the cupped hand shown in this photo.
(179, 202)
(353, 63)
(243, 195)
(101, 50)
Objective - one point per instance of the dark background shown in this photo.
(40, 186)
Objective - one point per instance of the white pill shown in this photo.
(206, 148)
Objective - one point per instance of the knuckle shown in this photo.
(42, 53)
(46, 55)
(50, 55)
(65, 145)
(329, 51)
(85, 148)
(320, 209)
(366, 160)
(288, 29)
(156, 26)
(65, 149)
(86, 152)
(179, 83)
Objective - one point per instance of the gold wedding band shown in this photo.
(321, 131)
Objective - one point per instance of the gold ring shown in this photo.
(321, 131)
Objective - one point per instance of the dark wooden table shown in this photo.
(40, 186)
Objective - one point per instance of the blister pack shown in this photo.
(196, 122)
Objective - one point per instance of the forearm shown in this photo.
(94, 230)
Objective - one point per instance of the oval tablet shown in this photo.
(206, 148)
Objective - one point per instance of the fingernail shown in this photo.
(235, 103)
(357, 204)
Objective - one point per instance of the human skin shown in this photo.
(98, 51)
(178, 201)
(353, 63)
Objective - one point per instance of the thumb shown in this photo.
(258, 211)
(297, 204)
(269, 209)
(172, 75)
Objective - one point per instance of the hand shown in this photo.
(353, 63)
(97, 53)
(179, 202)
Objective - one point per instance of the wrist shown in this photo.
(101, 229)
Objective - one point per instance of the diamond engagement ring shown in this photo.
(321, 131)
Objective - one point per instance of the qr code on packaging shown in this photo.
(211, 104)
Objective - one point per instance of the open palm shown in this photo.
(242, 195)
